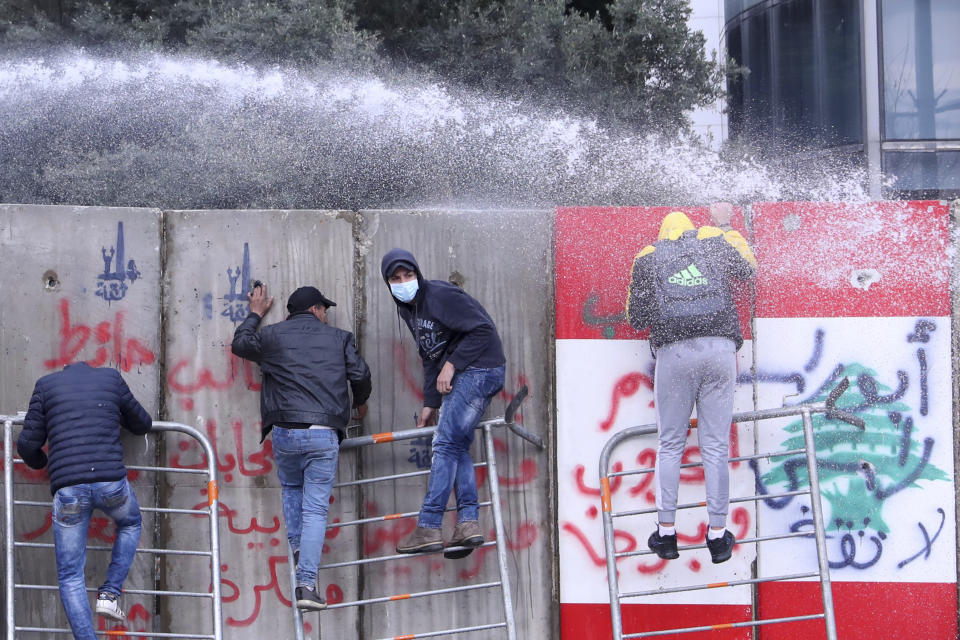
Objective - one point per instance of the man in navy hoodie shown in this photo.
(80, 411)
(463, 368)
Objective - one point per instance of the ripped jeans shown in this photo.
(72, 509)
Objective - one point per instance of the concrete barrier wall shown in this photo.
(159, 294)
(170, 335)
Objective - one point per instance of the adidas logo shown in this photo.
(689, 277)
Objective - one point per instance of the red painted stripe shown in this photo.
(594, 252)
(592, 621)
(808, 251)
(864, 610)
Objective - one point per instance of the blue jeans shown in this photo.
(72, 508)
(452, 466)
(306, 464)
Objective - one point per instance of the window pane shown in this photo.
(935, 174)
(842, 110)
(757, 87)
(735, 87)
(921, 69)
(794, 78)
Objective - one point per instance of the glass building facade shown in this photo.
(875, 80)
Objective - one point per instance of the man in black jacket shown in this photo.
(462, 360)
(80, 411)
(307, 367)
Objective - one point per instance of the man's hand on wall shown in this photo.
(259, 303)
(720, 213)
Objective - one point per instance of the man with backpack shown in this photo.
(680, 290)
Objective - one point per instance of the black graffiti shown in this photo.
(922, 359)
(829, 383)
(927, 540)
(868, 388)
(814, 360)
(921, 332)
(762, 376)
(848, 544)
(790, 468)
(884, 493)
(906, 430)
(607, 323)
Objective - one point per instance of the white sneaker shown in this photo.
(108, 605)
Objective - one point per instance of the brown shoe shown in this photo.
(422, 540)
(466, 536)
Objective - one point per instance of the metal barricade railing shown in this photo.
(805, 411)
(508, 624)
(213, 555)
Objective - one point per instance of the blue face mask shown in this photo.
(405, 291)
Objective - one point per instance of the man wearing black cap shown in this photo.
(307, 367)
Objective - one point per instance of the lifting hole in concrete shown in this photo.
(50, 281)
(457, 278)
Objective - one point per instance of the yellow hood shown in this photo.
(675, 225)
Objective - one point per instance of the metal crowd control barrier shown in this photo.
(490, 463)
(805, 411)
(213, 555)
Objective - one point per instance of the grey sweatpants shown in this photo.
(701, 371)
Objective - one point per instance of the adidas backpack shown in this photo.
(688, 281)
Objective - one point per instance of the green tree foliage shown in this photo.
(884, 446)
(632, 62)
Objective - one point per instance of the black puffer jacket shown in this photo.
(306, 366)
(80, 411)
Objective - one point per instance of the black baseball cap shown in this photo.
(305, 297)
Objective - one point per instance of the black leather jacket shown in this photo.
(307, 366)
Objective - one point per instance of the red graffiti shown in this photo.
(524, 537)
(206, 380)
(580, 470)
(228, 513)
(528, 469)
(646, 459)
(42, 529)
(387, 535)
(98, 529)
(274, 586)
(137, 612)
(595, 557)
(410, 381)
(114, 351)
(22, 470)
(625, 387)
(261, 459)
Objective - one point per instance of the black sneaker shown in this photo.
(722, 548)
(309, 600)
(664, 546)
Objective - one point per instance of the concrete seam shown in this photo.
(361, 244)
(160, 488)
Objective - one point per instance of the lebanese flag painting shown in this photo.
(843, 291)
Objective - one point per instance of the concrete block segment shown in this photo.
(211, 256)
(80, 284)
(502, 258)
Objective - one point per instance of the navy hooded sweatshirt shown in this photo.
(447, 324)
